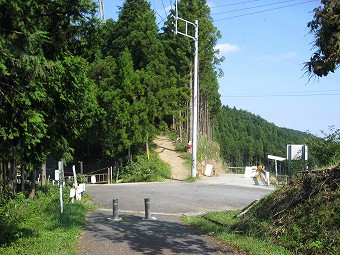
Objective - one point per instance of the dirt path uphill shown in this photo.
(167, 153)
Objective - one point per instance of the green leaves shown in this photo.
(326, 149)
(326, 29)
(46, 97)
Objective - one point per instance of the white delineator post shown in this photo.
(61, 183)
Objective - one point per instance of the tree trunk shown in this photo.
(33, 174)
(180, 127)
(22, 178)
(43, 174)
(1, 178)
(5, 165)
(12, 178)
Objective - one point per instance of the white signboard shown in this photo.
(296, 151)
(208, 170)
(276, 158)
(56, 175)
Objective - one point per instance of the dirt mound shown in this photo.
(166, 151)
(303, 216)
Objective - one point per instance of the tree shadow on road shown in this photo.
(132, 235)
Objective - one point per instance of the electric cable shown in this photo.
(244, 2)
(290, 94)
(251, 13)
(253, 7)
(166, 14)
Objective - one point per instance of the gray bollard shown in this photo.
(115, 210)
(147, 210)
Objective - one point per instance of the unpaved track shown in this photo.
(166, 151)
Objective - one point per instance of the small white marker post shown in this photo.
(61, 181)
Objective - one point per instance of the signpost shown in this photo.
(276, 158)
(297, 152)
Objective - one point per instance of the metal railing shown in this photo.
(96, 178)
(235, 170)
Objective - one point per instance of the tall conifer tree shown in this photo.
(181, 50)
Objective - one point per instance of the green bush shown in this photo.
(146, 170)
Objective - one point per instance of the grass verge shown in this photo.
(219, 225)
(301, 217)
(36, 226)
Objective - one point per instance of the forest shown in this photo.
(75, 87)
(247, 139)
(72, 84)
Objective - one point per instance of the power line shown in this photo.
(166, 14)
(234, 4)
(154, 9)
(241, 15)
(290, 94)
(253, 7)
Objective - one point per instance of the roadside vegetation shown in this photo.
(145, 169)
(302, 217)
(219, 225)
(36, 226)
(97, 90)
(208, 152)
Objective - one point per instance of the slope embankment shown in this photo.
(166, 151)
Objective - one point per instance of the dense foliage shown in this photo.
(145, 170)
(46, 98)
(180, 50)
(326, 29)
(299, 218)
(71, 85)
(247, 139)
(311, 200)
(36, 226)
(327, 149)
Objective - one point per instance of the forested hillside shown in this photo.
(74, 87)
(247, 139)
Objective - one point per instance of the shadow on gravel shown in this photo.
(133, 235)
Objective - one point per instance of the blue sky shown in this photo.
(264, 58)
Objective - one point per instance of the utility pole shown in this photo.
(101, 9)
(194, 109)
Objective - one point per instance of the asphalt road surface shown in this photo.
(179, 197)
(168, 201)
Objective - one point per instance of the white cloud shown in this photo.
(226, 48)
(280, 57)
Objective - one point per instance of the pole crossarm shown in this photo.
(186, 28)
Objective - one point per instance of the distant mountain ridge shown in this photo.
(248, 139)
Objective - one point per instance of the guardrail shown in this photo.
(236, 169)
(265, 177)
(96, 178)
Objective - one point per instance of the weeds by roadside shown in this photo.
(299, 218)
(219, 225)
(36, 226)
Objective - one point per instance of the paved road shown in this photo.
(225, 192)
(169, 200)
